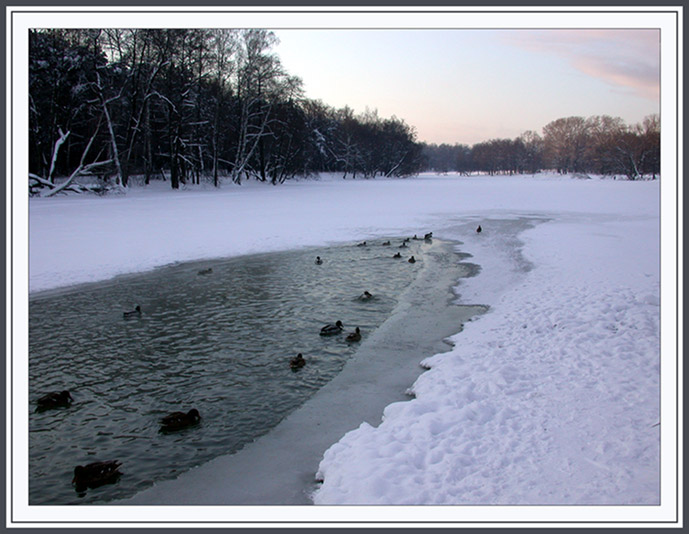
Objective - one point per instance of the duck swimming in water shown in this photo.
(428, 236)
(96, 474)
(354, 336)
(297, 362)
(135, 313)
(206, 271)
(478, 230)
(365, 296)
(398, 255)
(319, 261)
(403, 245)
(386, 244)
(411, 260)
(179, 420)
(332, 329)
(56, 399)
(362, 244)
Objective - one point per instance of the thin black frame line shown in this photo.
(675, 12)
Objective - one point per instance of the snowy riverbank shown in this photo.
(550, 398)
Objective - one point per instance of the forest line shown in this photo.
(192, 105)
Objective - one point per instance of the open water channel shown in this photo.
(219, 342)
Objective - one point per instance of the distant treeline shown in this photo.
(192, 105)
(596, 145)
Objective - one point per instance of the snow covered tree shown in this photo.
(61, 99)
(190, 103)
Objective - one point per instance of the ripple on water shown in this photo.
(219, 342)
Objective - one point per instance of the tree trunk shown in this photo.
(174, 164)
(262, 159)
(148, 159)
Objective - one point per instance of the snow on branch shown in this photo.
(56, 148)
(48, 187)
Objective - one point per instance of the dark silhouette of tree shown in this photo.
(597, 145)
(193, 104)
(566, 142)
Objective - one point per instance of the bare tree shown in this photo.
(261, 82)
(48, 186)
(566, 142)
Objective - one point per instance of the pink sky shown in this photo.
(470, 85)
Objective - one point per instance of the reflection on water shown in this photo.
(220, 342)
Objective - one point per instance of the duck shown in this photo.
(411, 260)
(362, 244)
(415, 238)
(319, 261)
(428, 236)
(365, 296)
(407, 239)
(403, 245)
(206, 271)
(332, 329)
(56, 399)
(398, 255)
(180, 420)
(386, 243)
(135, 313)
(96, 474)
(354, 336)
(478, 230)
(297, 362)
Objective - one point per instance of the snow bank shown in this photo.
(551, 398)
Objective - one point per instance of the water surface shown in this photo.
(219, 342)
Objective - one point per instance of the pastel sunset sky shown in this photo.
(471, 85)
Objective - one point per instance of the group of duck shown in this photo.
(337, 328)
(96, 474)
(332, 330)
(427, 237)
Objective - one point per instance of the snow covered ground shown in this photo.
(553, 397)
